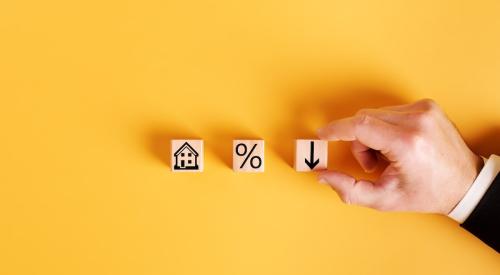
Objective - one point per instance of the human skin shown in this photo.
(429, 168)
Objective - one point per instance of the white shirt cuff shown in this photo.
(477, 190)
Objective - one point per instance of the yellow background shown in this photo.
(93, 91)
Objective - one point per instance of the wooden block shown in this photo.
(311, 155)
(248, 155)
(187, 155)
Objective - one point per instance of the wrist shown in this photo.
(468, 176)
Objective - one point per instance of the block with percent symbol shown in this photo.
(187, 155)
(311, 155)
(248, 155)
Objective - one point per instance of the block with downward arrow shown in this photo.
(311, 155)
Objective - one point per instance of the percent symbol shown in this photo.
(248, 156)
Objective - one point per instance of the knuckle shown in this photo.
(429, 104)
(362, 119)
(423, 119)
(414, 140)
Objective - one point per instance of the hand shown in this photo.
(430, 168)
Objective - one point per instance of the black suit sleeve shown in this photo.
(484, 221)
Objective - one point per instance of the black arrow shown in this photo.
(311, 162)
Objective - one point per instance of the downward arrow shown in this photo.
(311, 162)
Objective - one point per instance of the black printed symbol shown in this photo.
(255, 161)
(311, 162)
(186, 158)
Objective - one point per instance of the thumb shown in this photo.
(351, 191)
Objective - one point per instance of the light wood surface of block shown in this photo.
(187, 155)
(248, 155)
(311, 155)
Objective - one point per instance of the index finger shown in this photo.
(370, 131)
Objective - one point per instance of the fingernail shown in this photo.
(322, 181)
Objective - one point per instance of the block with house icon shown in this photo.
(187, 155)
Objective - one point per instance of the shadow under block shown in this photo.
(186, 155)
(248, 155)
(311, 155)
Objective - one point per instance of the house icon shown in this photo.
(186, 158)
